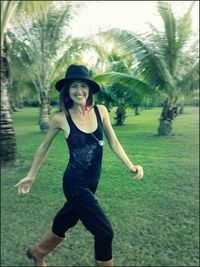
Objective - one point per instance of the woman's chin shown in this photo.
(80, 102)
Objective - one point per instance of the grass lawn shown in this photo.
(155, 220)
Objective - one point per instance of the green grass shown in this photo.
(155, 220)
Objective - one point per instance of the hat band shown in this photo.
(77, 76)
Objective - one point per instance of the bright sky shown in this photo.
(130, 15)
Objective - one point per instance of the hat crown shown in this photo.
(77, 71)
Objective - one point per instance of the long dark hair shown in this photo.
(65, 102)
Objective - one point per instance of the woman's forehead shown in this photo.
(79, 82)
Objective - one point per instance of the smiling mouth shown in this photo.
(79, 96)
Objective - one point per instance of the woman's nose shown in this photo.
(79, 87)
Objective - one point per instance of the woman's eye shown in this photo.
(82, 86)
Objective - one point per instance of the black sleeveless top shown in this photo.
(85, 152)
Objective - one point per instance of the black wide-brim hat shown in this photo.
(77, 72)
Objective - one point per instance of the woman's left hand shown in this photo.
(139, 170)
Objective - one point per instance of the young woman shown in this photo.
(83, 124)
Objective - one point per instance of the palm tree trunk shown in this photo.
(120, 116)
(44, 116)
(181, 109)
(166, 118)
(8, 139)
(137, 111)
(12, 106)
(44, 108)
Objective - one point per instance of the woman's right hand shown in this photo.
(24, 185)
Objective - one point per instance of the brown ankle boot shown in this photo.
(104, 263)
(43, 247)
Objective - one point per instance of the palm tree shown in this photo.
(117, 91)
(8, 10)
(42, 47)
(157, 59)
(110, 58)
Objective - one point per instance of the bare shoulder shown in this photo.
(101, 107)
(58, 119)
(103, 111)
(58, 116)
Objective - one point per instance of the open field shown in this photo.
(155, 220)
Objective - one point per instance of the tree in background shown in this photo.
(42, 48)
(158, 60)
(112, 60)
(188, 87)
(8, 11)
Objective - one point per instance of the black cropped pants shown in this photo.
(82, 205)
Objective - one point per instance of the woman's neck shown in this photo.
(79, 109)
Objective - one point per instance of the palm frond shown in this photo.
(7, 10)
(125, 80)
(190, 81)
(23, 59)
(169, 20)
(149, 64)
(12, 9)
(184, 27)
(32, 8)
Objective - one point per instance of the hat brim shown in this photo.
(64, 82)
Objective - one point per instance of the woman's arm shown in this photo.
(25, 183)
(116, 146)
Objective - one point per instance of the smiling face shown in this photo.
(79, 92)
